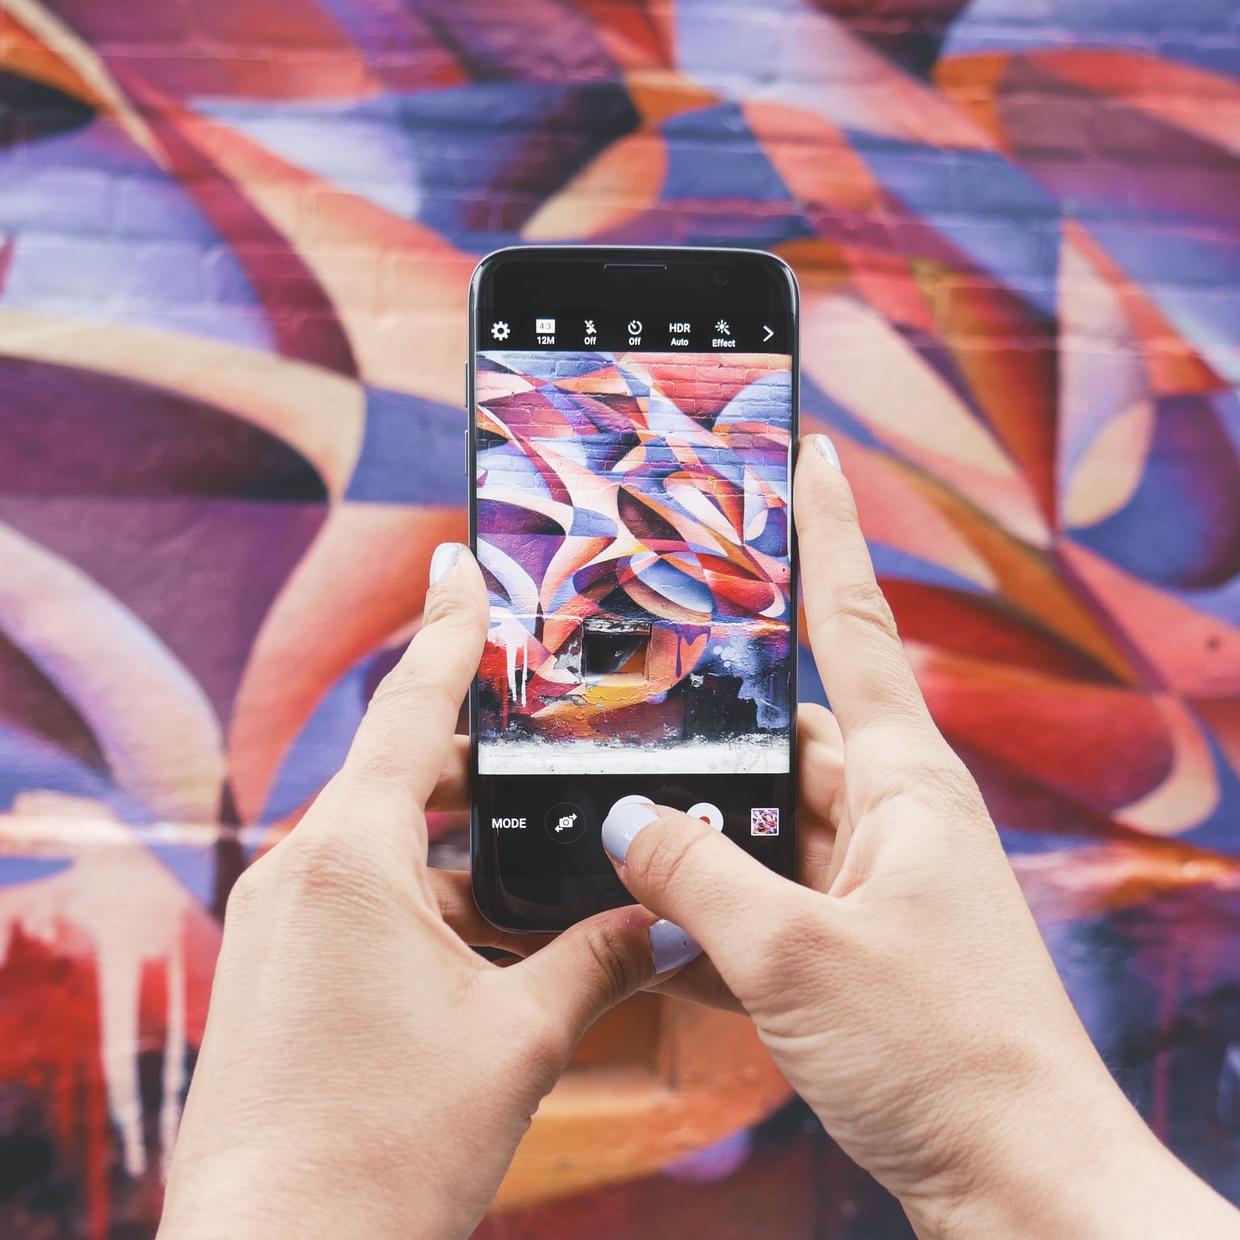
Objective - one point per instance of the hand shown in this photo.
(363, 1072)
(904, 990)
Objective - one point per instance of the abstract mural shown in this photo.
(235, 242)
(632, 528)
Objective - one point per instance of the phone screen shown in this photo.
(630, 511)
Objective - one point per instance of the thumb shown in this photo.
(685, 871)
(597, 963)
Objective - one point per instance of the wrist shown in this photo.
(257, 1195)
(1067, 1158)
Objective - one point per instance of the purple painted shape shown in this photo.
(713, 1162)
(200, 573)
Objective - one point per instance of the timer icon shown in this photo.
(635, 327)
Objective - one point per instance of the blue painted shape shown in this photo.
(1192, 277)
(15, 870)
(547, 366)
(55, 207)
(667, 580)
(413, 452)
(893, 562)
(768, 399)
(587, 524)
(712, 153)
(1201, 33)
(356, 146)
(192, 865)
(1179, 527)
(1018, 247)
(809, 683)
(30, 763)
(815, 403)
(1218, 831)
(321, 745)
(489, 152)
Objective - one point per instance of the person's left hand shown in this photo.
(363, 1072)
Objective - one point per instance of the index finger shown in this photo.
(851, 629)
(407, 734)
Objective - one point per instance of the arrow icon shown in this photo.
(769, 333)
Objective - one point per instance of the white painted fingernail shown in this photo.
(624, 820)
(446, 555)
(670, 946)
(827, 448)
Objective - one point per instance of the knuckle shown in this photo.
(545, 1045)
(668, 854)
(379, 768)
(860, 604)
(620, 971)
(321, 864)
(929, 774)
(401, 691)
(829, 503)
(447, 607)
(799, 932)
(954, 785)
(791, 950)
(246, 897)
(413, 688)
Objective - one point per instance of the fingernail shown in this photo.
(446, 555)
(827, 448)
(622, 824)
(670, 946)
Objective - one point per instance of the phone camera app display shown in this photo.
(632, 525)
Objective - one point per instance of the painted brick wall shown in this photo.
(234, 247)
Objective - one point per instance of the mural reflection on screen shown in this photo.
(633, 529)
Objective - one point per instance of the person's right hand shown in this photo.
(905, 991)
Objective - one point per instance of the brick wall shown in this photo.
(234, 248)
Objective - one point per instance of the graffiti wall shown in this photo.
(632, 529)
(234, 247)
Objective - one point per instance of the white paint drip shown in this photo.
(512, 635)
(92, 910)
(174, 1056)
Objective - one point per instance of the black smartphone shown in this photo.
(633, 419)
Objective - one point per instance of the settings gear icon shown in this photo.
(499, 329)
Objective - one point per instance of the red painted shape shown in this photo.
(50, 1040)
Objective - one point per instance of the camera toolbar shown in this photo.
(641, 330)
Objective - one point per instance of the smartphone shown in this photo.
(633, 419)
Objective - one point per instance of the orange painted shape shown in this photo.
(973, 83)
(1222, 716)
(898, 507)
(624, 180)
(658, 95)
(363, 578)
(22, 53)
(1005, 354)
(694, 1076)
(1191, 790)
(894, 286)
(1102, 746)
(1068, 886)
(1174, 366)
(1199, 102)
(399, 289)
(813, 158)
(1189, 651)
(1029, 579)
